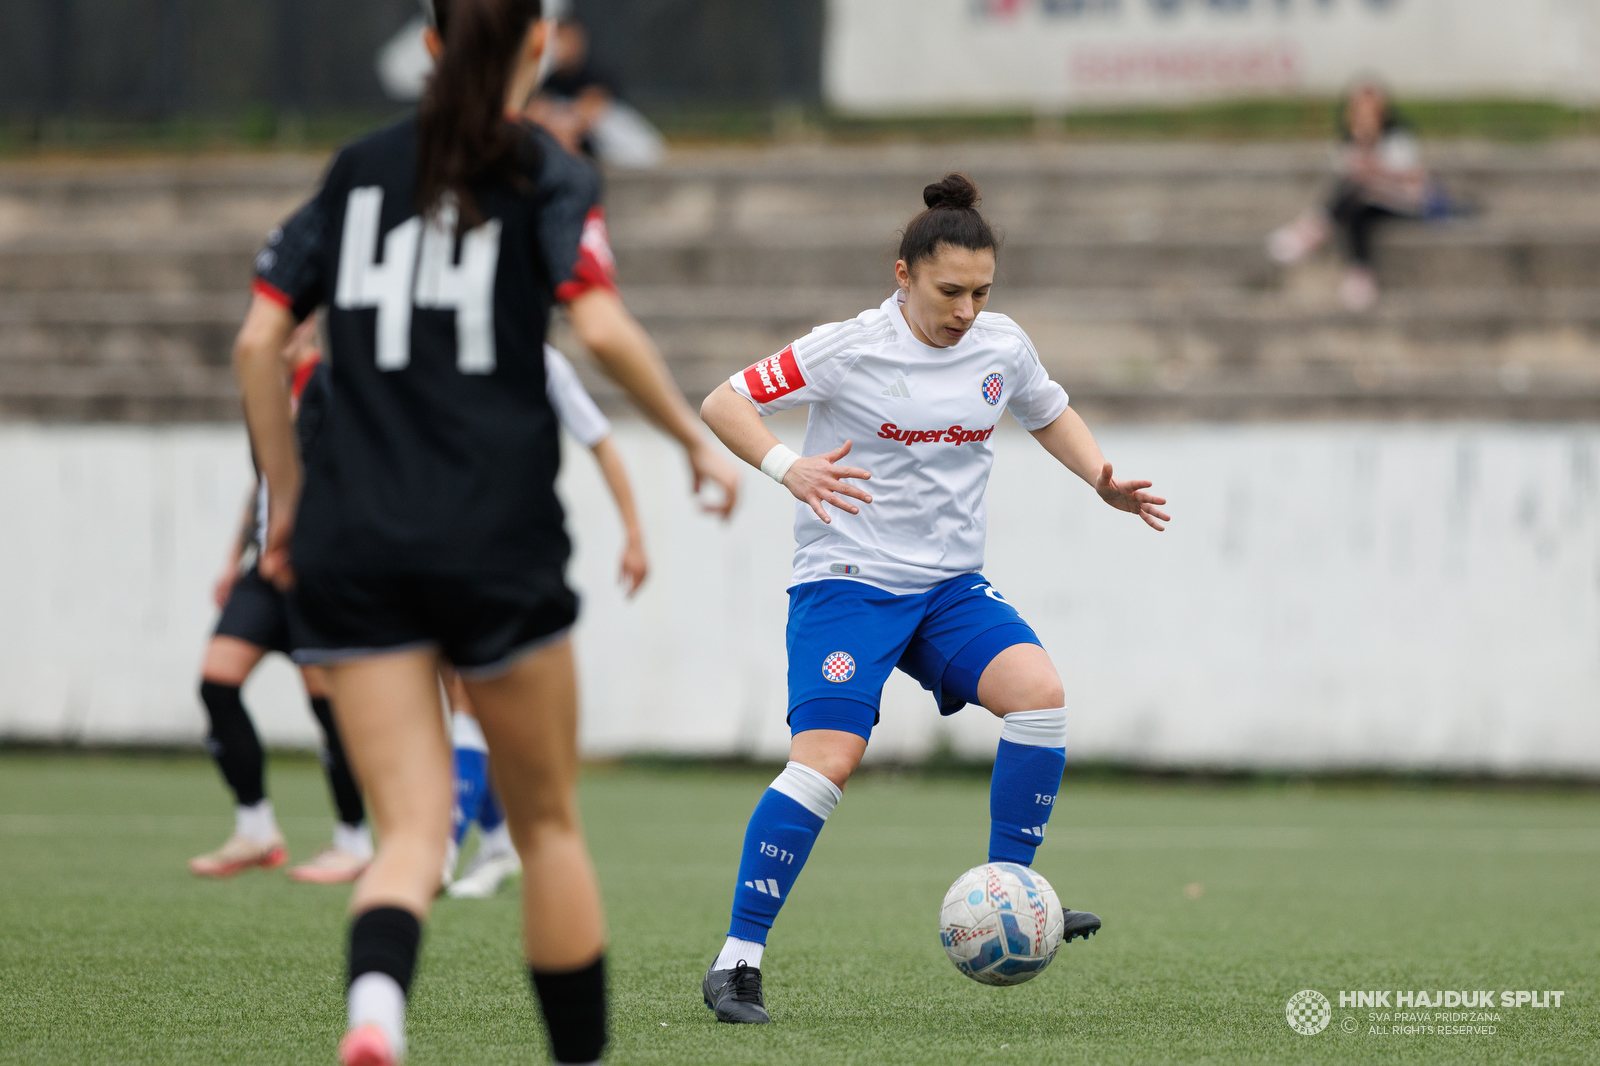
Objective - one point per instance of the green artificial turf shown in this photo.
(110, 952)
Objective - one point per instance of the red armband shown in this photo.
(775, 376)
(596, 267)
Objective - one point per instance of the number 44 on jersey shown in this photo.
(431, 279)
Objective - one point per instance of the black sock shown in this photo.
(574, 1005)
(385, 940)
(341, 782)
(233, 743)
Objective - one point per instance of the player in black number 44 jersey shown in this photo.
(428, 527)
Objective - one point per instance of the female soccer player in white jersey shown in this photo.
(476, 800)
(891, 577)
(428, 526)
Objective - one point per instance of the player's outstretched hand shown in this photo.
(274, 563)
(1130, 496)
(707, 464)
(815, 479)
(635, 566)
(224, 586)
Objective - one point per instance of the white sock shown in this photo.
(808, 788)
(376, 999)
(1042, 729)
(465, 732)
(256, 822)
(356, 839)
(736, 951)
(496, 841)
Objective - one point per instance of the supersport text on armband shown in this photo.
(775, 376)
(953, 435)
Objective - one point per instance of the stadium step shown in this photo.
(1138, 269)
(1415, 257)
(1211, 354)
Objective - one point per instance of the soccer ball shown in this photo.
(1001, 923)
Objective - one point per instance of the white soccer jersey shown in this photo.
(920, 419)
(575, 408)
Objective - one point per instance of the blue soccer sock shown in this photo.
(782, 829)
(1027, 773)
(490, 814)
(472, 772)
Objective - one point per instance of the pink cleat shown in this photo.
(365, 1045)
(240, 853)
(330, 866)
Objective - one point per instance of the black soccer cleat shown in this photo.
(1078, 923)
(735, 995)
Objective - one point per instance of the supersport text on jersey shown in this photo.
(864, 380)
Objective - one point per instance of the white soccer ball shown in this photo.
(1001, 923)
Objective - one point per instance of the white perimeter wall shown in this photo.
(907, 56)
(1330, 595)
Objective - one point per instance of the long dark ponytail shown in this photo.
(462, 132)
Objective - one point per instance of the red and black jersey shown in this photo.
(439, 448)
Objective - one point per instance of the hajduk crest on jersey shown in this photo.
(993, 385)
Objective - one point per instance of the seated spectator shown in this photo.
(1381, 176)
(576, 96)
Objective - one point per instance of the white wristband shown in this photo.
(778, 461)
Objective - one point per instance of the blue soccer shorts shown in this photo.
(845, 637)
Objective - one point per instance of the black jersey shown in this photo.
(308, 400)
(439, 449)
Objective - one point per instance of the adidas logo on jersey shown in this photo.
(899, 388)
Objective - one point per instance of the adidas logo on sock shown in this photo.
(1037, 831)
(899, 388)
(761, 887)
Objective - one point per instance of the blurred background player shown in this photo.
(576, 95)
(581, 107)
(429, 529)
(476, 801)
(894, 580)
(1381, 177)
(255, 621)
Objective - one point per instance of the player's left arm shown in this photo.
(266, 413)
(630, 358)
(1069, 440)
(635, 563)
(577, 253)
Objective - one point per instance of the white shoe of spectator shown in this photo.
(1292, 243)
(1359, 290)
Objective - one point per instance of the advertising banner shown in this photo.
(942, 56)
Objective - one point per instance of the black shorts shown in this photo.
(256, 613)
(480, 623)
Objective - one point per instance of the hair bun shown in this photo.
(955, 191)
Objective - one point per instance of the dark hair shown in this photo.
(951, 218)
(1391, 118)
(462, 131)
